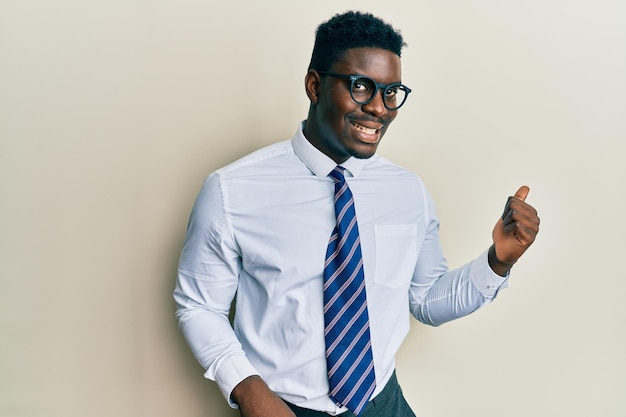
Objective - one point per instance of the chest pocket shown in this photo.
(396, 254)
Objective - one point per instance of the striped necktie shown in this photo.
(348, 346)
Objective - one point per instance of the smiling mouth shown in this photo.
(364, 129)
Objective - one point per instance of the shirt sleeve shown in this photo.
(438, 295)
(207, 280)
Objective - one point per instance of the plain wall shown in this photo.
(112, 113)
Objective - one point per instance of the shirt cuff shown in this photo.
(487, 282)
(231, 372)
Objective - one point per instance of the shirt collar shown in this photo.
(317, 161)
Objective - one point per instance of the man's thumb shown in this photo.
(522, 193)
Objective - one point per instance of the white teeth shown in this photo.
(365, 129)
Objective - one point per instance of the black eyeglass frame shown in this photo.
(379, 86)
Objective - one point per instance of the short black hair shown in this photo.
(349, 30)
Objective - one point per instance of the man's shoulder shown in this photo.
(271, 157)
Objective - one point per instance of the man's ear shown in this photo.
(312, 85)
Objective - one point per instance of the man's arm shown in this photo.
(438, 295)
(208, 273)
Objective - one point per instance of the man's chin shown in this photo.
(363, 155)
(364, 151)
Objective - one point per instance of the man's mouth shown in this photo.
(365, 129)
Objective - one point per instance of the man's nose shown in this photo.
(376, 107)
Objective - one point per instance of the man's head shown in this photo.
(341, 121)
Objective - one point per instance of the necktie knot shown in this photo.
(337, 174)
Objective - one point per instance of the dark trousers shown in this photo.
(389, 403)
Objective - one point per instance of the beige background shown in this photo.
(113, 112)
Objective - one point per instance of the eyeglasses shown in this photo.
(363, 90)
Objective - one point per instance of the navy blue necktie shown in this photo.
(348, 346)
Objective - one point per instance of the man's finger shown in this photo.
(522, 193)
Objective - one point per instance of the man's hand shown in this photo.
(514, 232)
(255, 399)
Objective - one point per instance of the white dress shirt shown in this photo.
(259, 231)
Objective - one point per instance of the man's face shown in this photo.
(340, 127)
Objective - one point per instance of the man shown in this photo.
(327, 248)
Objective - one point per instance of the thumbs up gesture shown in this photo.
(514, 232)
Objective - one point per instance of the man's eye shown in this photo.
(361, 86)
(391, 92)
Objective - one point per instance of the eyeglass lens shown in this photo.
(363, 90)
